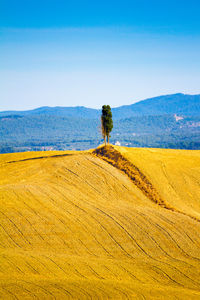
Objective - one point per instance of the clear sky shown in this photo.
(92, 52)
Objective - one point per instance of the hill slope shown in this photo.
(174, 173)
(171, 121)
(166, 104)
(74, 226)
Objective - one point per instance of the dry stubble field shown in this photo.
(73, 225)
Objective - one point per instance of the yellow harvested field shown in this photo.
(174, 173)
(76, 225)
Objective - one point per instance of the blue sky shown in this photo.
(89, 53)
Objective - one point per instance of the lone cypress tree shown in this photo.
(106, 122)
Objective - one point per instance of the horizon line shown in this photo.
(81, 106)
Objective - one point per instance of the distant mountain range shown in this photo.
(168, 104)
(171, 121)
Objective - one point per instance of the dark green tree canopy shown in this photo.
(106, 122)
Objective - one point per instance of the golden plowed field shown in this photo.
(73, 225)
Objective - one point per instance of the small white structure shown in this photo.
(178, 118)
(117, 143)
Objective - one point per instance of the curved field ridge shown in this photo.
(73, 226)
(174, 173)
(116, 159)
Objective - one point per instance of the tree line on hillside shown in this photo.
(38, 132)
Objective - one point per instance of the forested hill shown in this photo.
(171, 121)
(168, 104)
(77, 112)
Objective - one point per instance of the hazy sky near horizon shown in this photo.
(84, 52)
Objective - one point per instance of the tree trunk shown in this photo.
(108, 138)
(105, 139)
